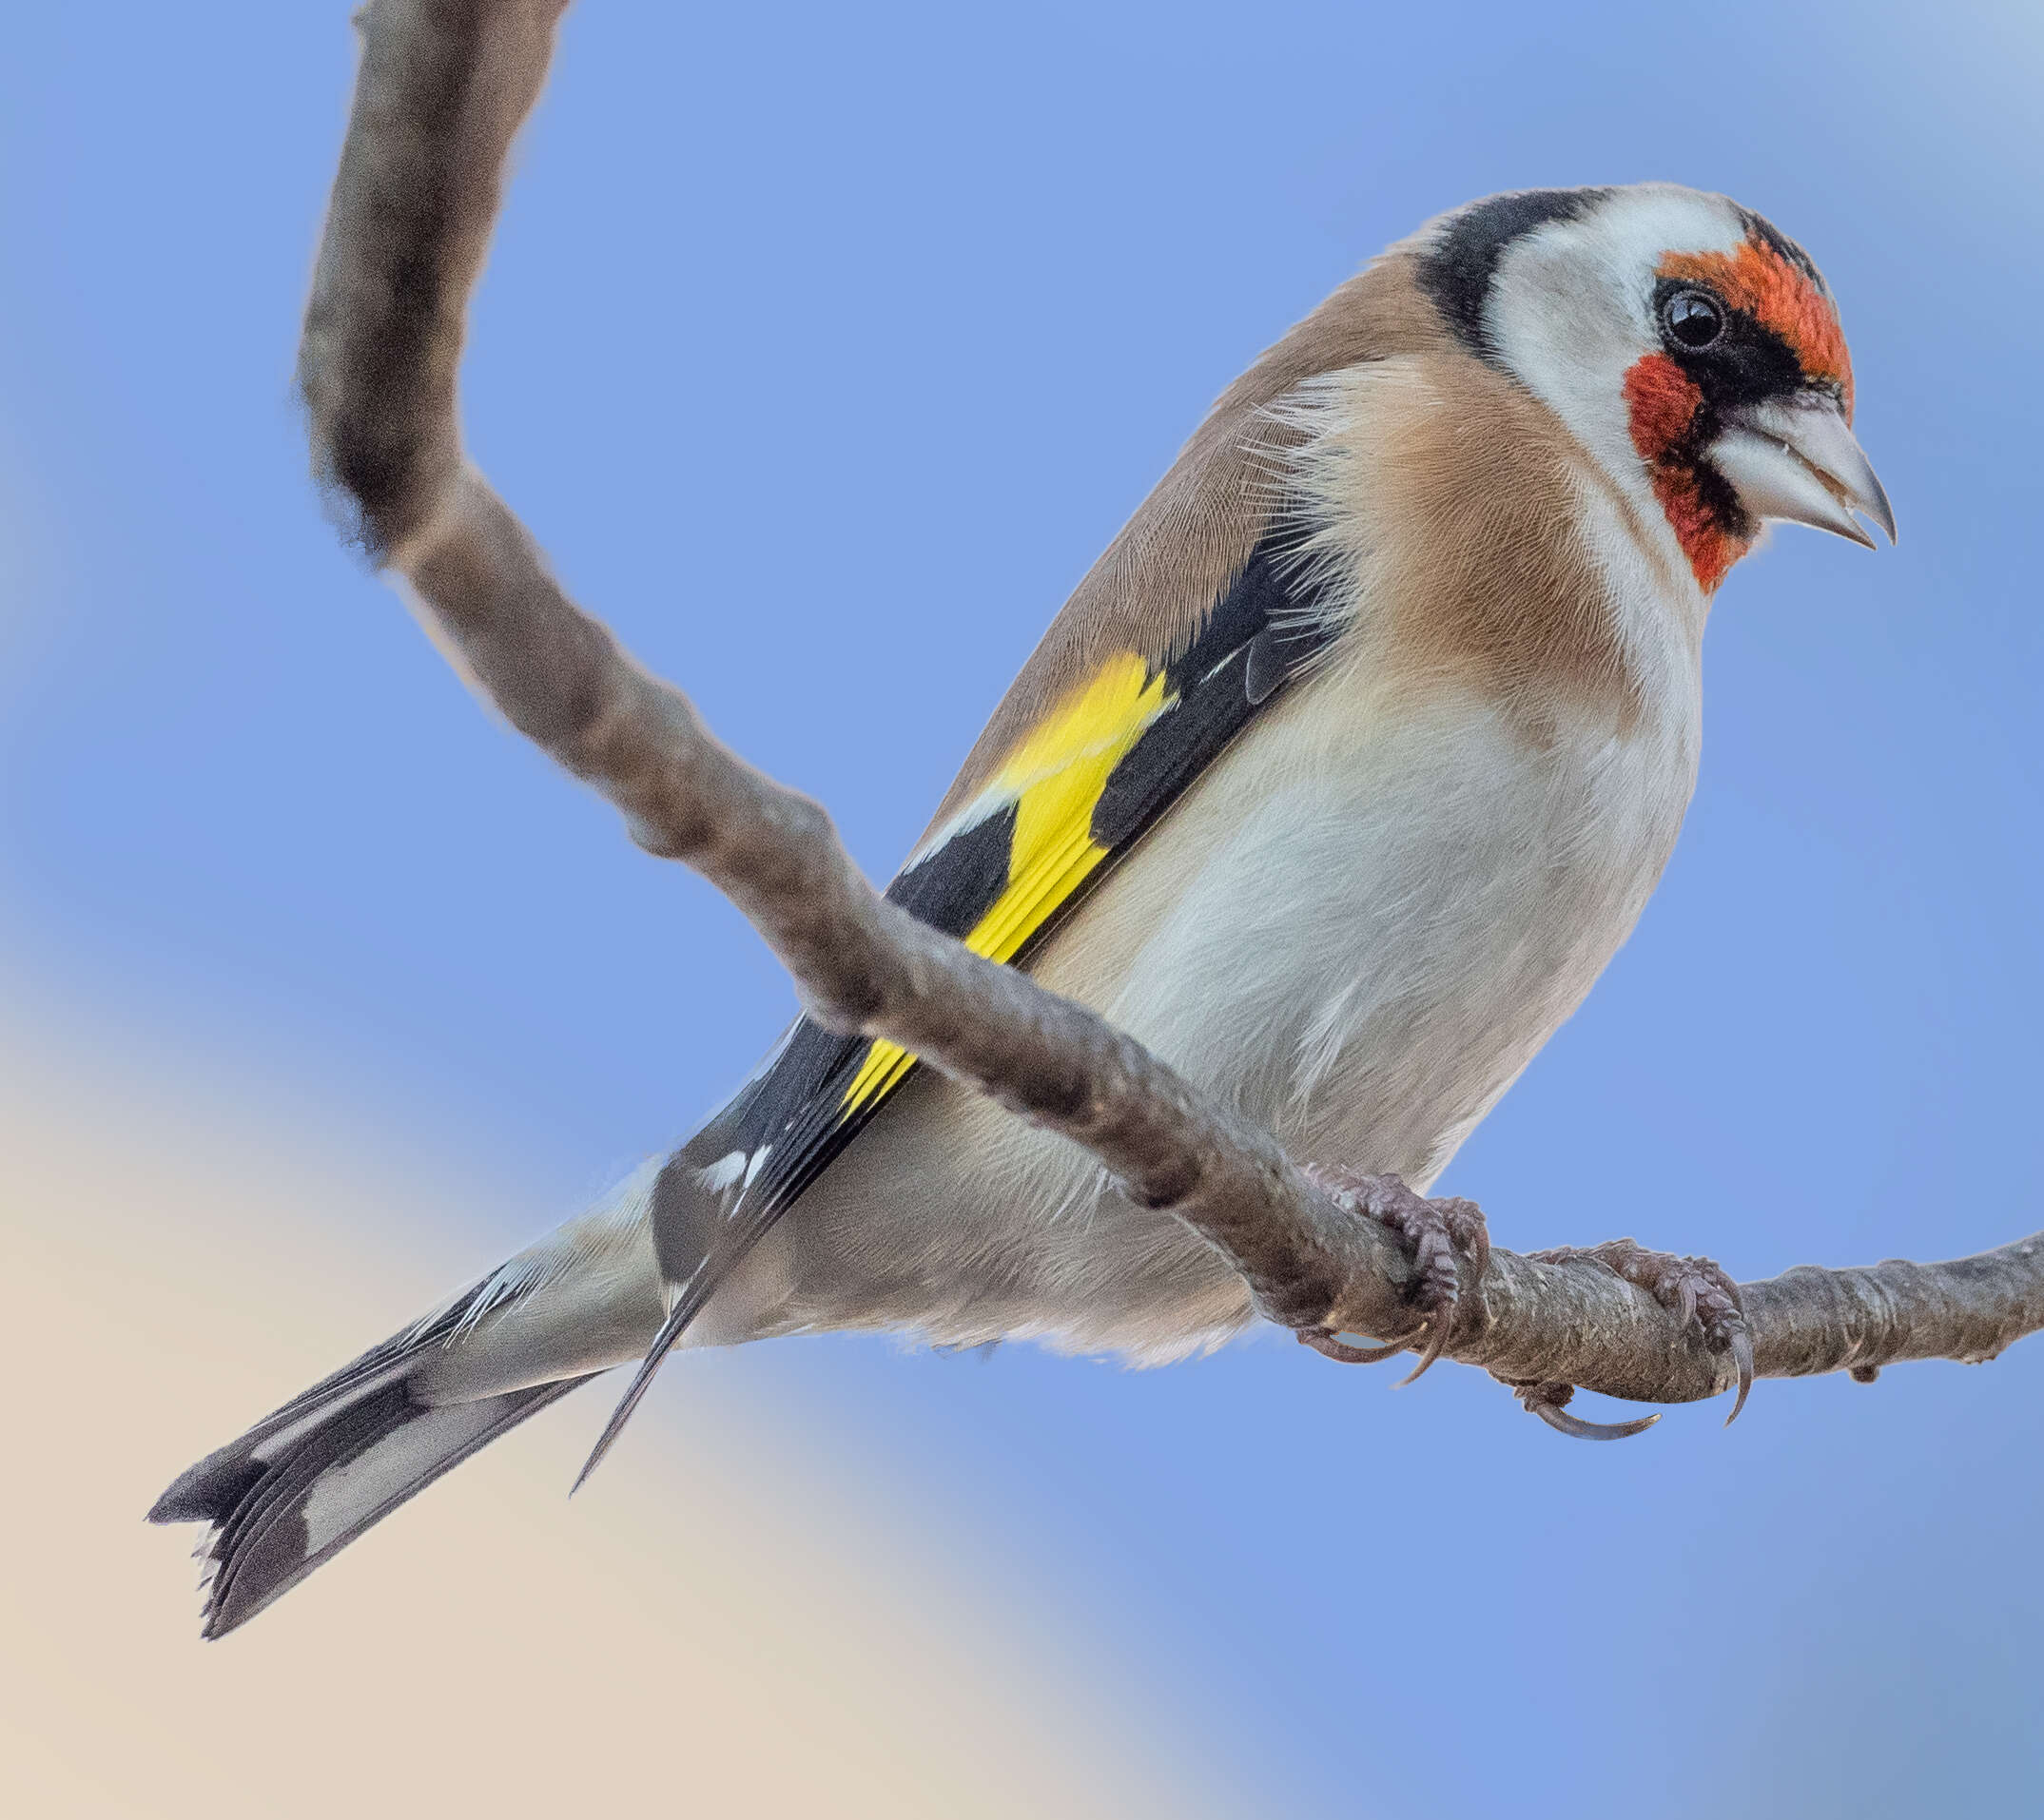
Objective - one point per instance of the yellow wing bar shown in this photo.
(1053, 780)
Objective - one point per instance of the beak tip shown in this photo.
(1799, 462)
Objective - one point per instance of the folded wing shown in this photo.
(1072, 795)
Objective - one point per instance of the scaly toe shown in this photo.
(1695, 1290)
(1435, 1232)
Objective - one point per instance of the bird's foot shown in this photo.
(1695, 1290)
(1434, 1232)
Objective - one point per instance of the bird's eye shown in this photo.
(1693, 319)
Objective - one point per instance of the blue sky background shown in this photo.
(824, 348)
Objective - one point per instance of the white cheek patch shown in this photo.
(1571, 306)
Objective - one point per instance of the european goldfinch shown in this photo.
(1336, 784)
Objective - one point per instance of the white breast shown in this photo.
(1377, 949)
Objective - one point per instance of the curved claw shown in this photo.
(1549, 1401)
(1480, 1252)
(1563, 1423)
(1328, 1347)
(1742, 1342)
(1437, 1326)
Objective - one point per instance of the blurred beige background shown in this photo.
(177, 1255)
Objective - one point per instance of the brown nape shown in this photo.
(1461, 492)
(1509, 588)
(1155, 584)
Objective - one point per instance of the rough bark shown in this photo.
(443, 87)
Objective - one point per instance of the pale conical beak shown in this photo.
(1798, 461)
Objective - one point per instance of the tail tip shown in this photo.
(205, 1493)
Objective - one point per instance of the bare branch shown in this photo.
(443, 87)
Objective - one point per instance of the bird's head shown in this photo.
(1691, 345)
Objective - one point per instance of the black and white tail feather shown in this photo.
(312, 1476)
(309, 1479)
